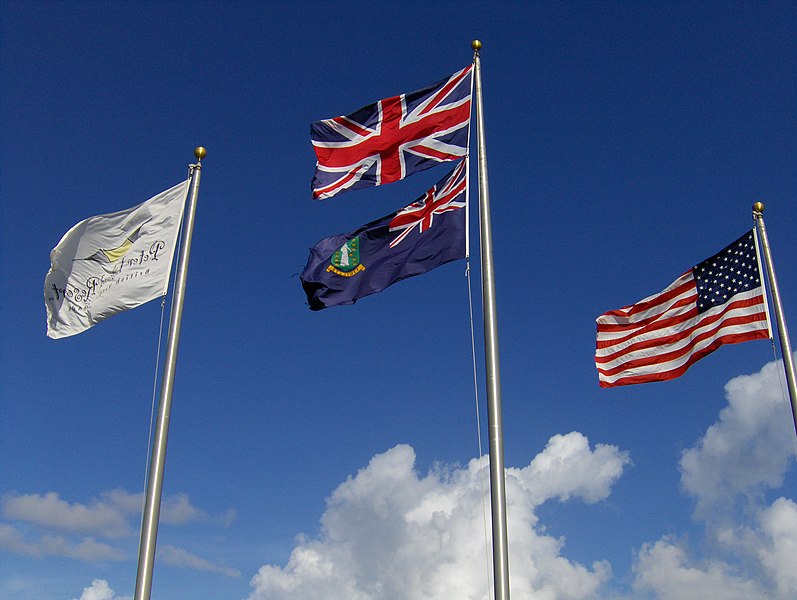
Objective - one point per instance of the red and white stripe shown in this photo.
(660, 337)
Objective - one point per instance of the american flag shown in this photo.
(393, 138)
(436, 201)
(719, 301)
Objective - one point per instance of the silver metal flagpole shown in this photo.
(149, 525)
(494, 421)
(783, 332)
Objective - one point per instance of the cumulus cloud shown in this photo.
(747, 450)
(779, 545)
(99, 590)
(664, 569)
(751, 544)
(568, 468)
(390, 533)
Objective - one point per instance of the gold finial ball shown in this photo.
(758, 207)
(476, 45)
(200, 152)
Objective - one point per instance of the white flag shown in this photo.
(111, 263)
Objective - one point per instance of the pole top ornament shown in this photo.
(476, 45)
(200, 152)
(758, 207)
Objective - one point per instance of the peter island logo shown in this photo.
(114, 260)
(110, 256)
(118, 268)
(345, 260)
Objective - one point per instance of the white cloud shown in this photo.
(747, 450)
(178, 510)
(123, 501)
(109, 516)
(55, 527)
(779, 547)
(13, 540)
(99, 590)
(568, 468)
(181, 558)
(389, 533)
(48, 510)
(750, 545)
(664, 570)
(87, 550)
(227, 517)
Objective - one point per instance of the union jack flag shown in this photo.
(436, 201)
(393, 138)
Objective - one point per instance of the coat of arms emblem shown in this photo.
(345, 260)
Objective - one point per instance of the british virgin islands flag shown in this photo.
(416, 239)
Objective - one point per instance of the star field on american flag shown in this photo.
(732, 270)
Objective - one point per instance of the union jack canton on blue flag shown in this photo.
(393, 138)
(416, 239)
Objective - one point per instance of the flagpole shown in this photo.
(149, 524)
(783, 332)
(497, 479)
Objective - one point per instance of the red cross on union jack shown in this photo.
(393, 138)
(420, 214)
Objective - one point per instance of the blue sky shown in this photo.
(336, 453)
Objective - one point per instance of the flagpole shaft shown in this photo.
(149, 524)
(780, 320)
(497, 478)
